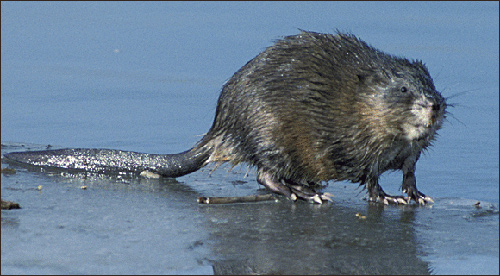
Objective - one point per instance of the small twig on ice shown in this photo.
(238, 199)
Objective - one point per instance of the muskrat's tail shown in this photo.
(115, 161)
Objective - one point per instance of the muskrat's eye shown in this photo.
(404, 89)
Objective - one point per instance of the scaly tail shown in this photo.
(115, 161)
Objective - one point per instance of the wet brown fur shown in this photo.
(316, 107)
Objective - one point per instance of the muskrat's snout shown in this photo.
(428, 113)
(436, 112)
(436, 109)
(439, 104)
(434, 101)
(436, 106)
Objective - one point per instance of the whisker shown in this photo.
(458, 94)
(453, 116)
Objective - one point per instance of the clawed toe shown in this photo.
(422, 200)
(402, 201)
(428, 199)
(327, 197)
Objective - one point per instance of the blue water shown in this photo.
(145, 77)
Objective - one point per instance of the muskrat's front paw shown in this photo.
(418, 197)
(387, 199)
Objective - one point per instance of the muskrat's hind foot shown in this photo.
(291, 190)
(308, 194)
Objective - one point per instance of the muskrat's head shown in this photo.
(403, 100)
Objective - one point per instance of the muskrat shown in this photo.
(311, 108)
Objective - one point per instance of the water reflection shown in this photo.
(284, 238)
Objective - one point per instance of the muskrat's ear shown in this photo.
(362, 77)
(370, 77)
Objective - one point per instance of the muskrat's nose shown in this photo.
(436, 102)
(436, 106)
